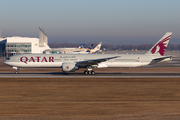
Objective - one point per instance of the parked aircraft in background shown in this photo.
(88, 50)
(72, 62)
(96, 49)
(81, 46)
(77, 50)
(64, 50)
(82, 51)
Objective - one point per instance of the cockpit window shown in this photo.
(7, 58)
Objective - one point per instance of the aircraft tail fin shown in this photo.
(81, 46)
(98, 47)
(89, 48)
(160, 47)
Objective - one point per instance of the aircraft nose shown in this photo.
(5, 61)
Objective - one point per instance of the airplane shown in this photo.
(80, 46)
(77, 50)
(65, 50)
(82, 51)
(88, 50)
(96, 49)
(73, 62)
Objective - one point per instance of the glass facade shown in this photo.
(2, 50)
(52, 51)
(16, 48)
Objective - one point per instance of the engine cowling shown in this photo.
(69, 67)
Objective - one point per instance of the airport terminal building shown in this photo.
(18, 45)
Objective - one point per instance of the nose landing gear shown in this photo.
(16, 68)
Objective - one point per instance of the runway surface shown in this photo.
(98, 75)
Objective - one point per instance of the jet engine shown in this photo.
(69, 67)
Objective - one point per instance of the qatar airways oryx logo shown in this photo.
(161, 46)
(25, 59)
(67, 67)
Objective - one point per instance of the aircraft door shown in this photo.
(140, 59)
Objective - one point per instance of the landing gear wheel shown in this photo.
(85, 72)
(92, 72)
(16, 72)
(89, 72)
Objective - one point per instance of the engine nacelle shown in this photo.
(69, 67)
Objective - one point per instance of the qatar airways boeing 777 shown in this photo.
(72, 62)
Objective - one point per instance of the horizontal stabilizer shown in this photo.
(161, 59)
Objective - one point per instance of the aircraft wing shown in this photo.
(161, 59)
(94, 61)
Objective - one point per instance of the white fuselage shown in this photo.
(56, 60)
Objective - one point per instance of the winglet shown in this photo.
(160, 47)
(117, 56)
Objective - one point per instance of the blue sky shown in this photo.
(78, 21)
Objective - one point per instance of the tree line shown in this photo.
(113, 47)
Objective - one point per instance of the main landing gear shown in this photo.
(89, 71)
